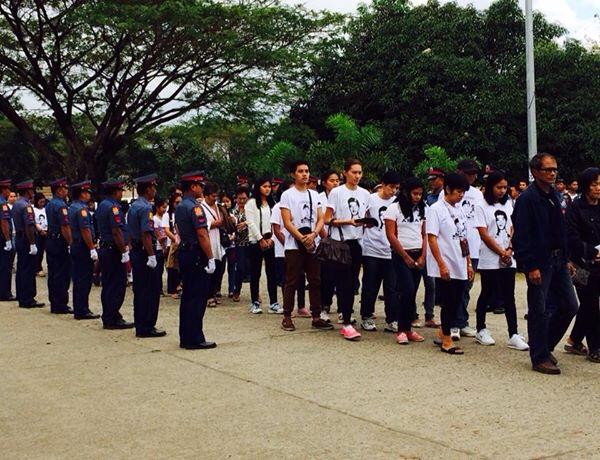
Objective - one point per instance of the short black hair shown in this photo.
(536, 162)
(141, 188)
(294, 165)
(240, 190)
(456, 181)
(327, 174)
(351, 162)
(391, 177)
(210, 188)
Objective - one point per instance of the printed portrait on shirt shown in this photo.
(461, 230)
(382, 211)
(306, 217)
(468, 209)
(501, 235)
(354, 207)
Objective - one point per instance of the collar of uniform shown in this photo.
(144, 200)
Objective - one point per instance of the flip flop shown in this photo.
(453, 350)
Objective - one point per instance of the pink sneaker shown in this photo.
(402, 339)
(349, 332)
(303, 313)
(413, 336)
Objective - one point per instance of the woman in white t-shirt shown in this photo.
(448, 257)
(405, 230)
(497, 268)
(163, 235)
(346, 205)
(41, 227)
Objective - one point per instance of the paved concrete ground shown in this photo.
(72, 390)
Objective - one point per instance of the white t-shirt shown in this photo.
(448, 223)
(497, 219)
(348, 204)
(162, 223)
(298, 203)
(40, 218)
(276, 219)
(473, 198)
(213, 233)
(374, 242)
(410, 234)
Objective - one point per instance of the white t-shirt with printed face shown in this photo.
(410, 233)
(276, 219)
(348, 204)
(448, 223)
(299, 205)
(497, 219)
(374, 242)
(473, 198)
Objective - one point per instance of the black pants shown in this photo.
(146, 292)
(376, 271)
(451, 296)
(345, 281)
(59, 272)
(5, 271)
(173, 280)
(160, 268)
(587, 322)
(82, 273)
(242, 267)
(407, 284)
(194, 295)
(213, 279)
(256, 257)
(114, 284)
(327, 286)
(25, 276)
(498, 288)
(40, 242)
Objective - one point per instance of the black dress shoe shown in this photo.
(121, 324)
(553, 359)
(153, 333)
(547, 368)
(88, 315)
(10, 298)
(33, 305)
(62, 311)
(200, 346)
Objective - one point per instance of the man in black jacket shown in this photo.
(540, 248)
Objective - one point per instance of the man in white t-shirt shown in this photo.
(472, 198)
(377, 256)
(302, 217)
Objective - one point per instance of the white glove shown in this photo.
(152, 263)
(211, 267)
(8, 245)
(32, 250)
(125, 257)
(94, 254)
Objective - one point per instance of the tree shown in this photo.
(107, 70)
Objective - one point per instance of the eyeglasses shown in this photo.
(548, 170)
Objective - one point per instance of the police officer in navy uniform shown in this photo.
(83, 249)
(6, 245)
(57, 248)
(196, 263)
(24, 221)
(113, 255)
(146, 277)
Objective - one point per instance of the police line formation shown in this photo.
(398, 234)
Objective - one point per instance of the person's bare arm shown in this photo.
(119, 239)
(435, 252)
(278, 233)
(65, 231)
(86, 235)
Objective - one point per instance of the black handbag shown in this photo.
(334, 252)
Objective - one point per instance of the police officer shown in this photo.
(83, 249)
(196, 263)
(6, 245)
(113, 255)
(24, 221)
(57, 248)
(146, 277)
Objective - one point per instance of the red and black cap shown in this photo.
(148, 179)
(5, 183)
(84, 186)
(434, 173)
(313, 179)
(25, 185)
(277, 181)
(193, 177)
(61, 182)
(113, 184)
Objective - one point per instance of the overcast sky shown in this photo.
(576, 15)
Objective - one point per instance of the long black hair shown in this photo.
(493, 179)
(405, 202)
(586, 178)
(256, 192)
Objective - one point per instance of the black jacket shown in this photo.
(583, 233)
(532, 229)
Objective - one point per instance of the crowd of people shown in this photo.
(329, 237)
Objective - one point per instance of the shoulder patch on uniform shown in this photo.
(115, 210)
(197, 211)
(29, 209)
(5, 207)
(84, 213)
(150, 215)
(65, 212)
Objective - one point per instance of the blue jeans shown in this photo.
(462, 315)
(376, 270)
(552, 305)
(407, 285)
(429, 300)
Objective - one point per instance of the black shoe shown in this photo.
(200, 346)
(553, 359)
(88, 315)
(62, 311)
(10, 298)
(120, 324)
(547, 367)
(499, 311)
(34, 305)
(152, 333)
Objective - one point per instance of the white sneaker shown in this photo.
(455, 334)
(325, 316)
(484, 337)
(468, 331)
(391, 327)
(368, 325)
(275, 309)
(341, 319)
(255, 308)
(517, 342)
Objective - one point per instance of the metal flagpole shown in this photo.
(531, 112)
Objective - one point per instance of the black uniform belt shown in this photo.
(189, 245)
(55, 235)
(107, 244)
